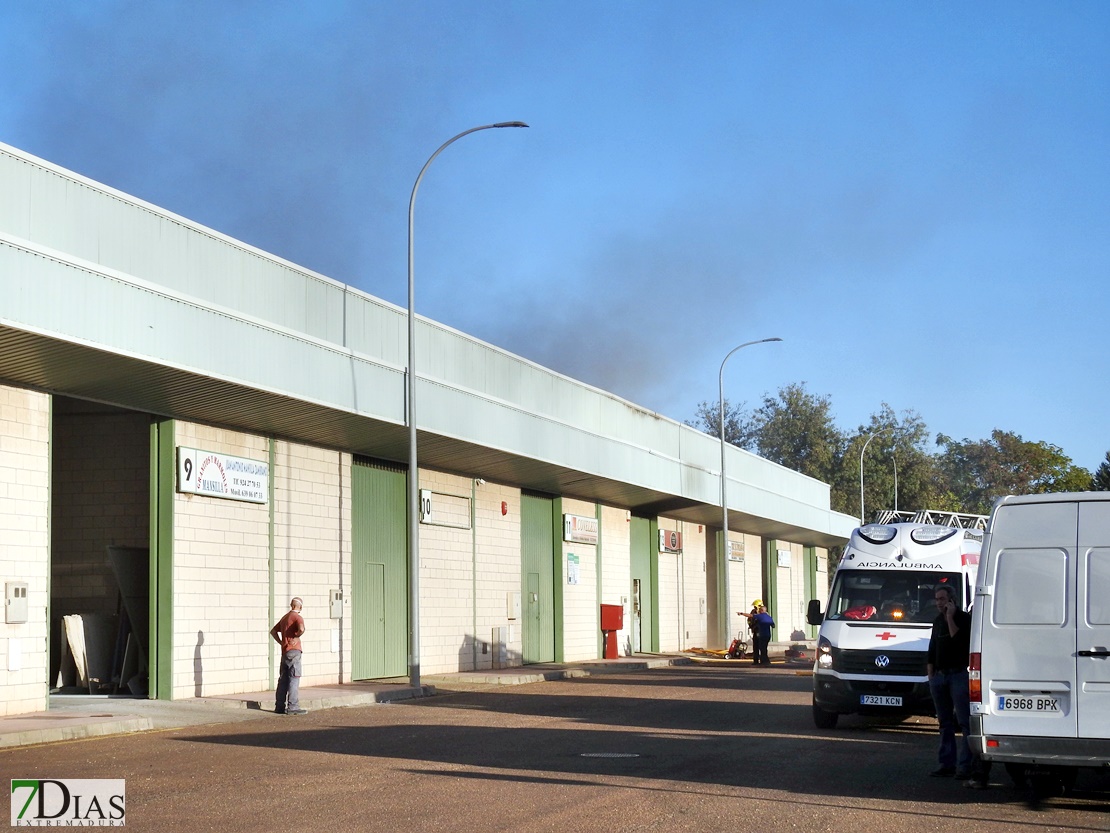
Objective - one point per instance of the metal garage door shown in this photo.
(379, 574)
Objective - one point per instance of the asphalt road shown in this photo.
(673, 749)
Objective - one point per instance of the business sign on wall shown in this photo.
(735, 550)
(580, 529)
(574, 568)
(670, 540)
(220, 475)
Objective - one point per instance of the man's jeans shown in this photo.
(950, 696)
(289, 682)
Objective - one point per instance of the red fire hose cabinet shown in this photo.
(612, 620)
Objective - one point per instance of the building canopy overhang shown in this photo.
(211, 341)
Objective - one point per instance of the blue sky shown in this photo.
(914, 196)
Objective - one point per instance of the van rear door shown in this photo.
(1093, 637)
(1029, 661)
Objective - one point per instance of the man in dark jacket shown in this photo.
(761, 634)
(949, 646)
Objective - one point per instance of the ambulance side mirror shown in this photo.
(813, 613)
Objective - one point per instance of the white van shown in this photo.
(1040, 639)
(874, 639)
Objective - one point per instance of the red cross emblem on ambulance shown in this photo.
(885, 635)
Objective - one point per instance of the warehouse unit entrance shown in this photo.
(538, 573)
(644, 627)
(379, 575)
(99, 549)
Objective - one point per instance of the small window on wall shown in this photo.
(1098, 586)
(1030, 587)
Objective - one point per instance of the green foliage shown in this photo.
(898, 470)
(1101, 481)
(795, 428)
(738, 423)
(980, 471)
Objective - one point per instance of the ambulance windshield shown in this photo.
(888, 596)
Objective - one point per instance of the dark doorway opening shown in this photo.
(99, 549)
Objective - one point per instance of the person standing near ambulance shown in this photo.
(287, 633)
(761, 623)
(949, 648)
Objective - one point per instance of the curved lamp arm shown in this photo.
(410, 413)
(722, 615)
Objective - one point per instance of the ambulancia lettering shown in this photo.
(917, 565)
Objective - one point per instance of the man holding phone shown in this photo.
(949, 646)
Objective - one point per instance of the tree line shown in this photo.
(795, 428)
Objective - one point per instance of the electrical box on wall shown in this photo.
(512, 602)
(336, 604)
(15, 602)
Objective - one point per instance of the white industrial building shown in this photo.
(192, 431)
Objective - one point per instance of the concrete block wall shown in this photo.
(497, 534)
(616, 568)
(671, 604)
(695, 594)
(469, 571)
(747, 575)
(795, 613)
(447, 570)
(790, 609)
(221, 579)
(745, 580)
(101, 498)
(790, 612)
(581, 609)
(25, 545)
(312, 554)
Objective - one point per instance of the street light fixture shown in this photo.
(862, 450)
(410, 412)
(724, 623)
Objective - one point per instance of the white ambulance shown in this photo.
(1040, 638)
(874, 637)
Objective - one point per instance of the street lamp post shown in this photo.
(862, 450)
(894, 457)
(724, 623)
(410, 412)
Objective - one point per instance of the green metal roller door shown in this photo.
(379, 574)
(538, 569)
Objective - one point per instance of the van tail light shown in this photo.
(975, 678)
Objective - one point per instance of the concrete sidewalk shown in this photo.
(74, 717)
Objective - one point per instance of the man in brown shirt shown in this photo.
(287, 633)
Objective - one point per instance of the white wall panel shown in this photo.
(141, 282)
